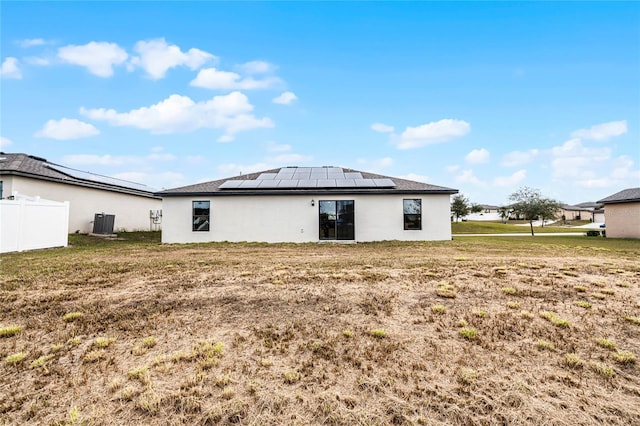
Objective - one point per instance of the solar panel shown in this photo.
(267, 176)
(231, 184)
(353, 175)
(326, 183)
(288, 183)
(108, 180)
(384, 183)
(345, 183)
(251, 183)
(308, 177)
(311, 183)
(365, 183)
(270, 183)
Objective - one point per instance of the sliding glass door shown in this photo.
(337, 220)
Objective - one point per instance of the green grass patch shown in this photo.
(582, 304)
(605, 343)
(469, 333)
(73, 316)
(554, 319)
(471, 227)
(10, 330)
(378, 333)
(16, 358)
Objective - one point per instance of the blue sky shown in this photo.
(482, 97)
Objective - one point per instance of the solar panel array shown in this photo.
(92, 177)
(308, 178)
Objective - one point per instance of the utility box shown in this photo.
(103, 223)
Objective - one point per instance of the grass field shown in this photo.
(486, 227)
(474, 331)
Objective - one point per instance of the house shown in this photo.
(489, 213)
(88, 194)
(306, 204)
(583, 211)
(622, 213)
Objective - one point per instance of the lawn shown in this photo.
(486, 227)
(474, 331)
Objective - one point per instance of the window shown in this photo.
(412, 210)
(201, 213)
(1, 190)
(337, 220)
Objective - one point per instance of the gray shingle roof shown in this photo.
(402, 186)
(30, 166)
(625, 196)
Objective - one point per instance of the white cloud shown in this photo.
(382, 128)
(453, 168)
(602, 132)
(5, 142)
(573, 160)
(211, 78)
(31, 42)
(477, 156)
(256, 67)
(10, 69)
(177, 114)
(98, 57)
(34, 60)
(512, 180)
(285, 98)
(432, 133)
(517, 158)
(467, 176)
(156, 57)
(66, 128)
(623, 169)
(416, 177)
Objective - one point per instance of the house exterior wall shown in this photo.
(131, 211)
(622, 220)
(292, 218)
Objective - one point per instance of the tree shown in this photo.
(460, 206)
(475, 208)
(529, 203)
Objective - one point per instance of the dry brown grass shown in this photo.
(284, 334)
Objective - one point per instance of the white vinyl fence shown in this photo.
(32, 223)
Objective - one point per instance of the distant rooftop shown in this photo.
(25, 165)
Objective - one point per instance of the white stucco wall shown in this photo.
(292, 218)
(131, 211)
(622, 220)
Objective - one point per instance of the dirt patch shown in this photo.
(466, 332)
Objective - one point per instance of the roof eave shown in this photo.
(307, 192)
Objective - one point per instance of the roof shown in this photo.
(308, 180)
(34, 167)
(589, 205)
(628, 195)
(576, 208)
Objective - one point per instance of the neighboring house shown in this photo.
(88, 194)
(488, 213)
(306, 204)
(622, 213)
(576, 213)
